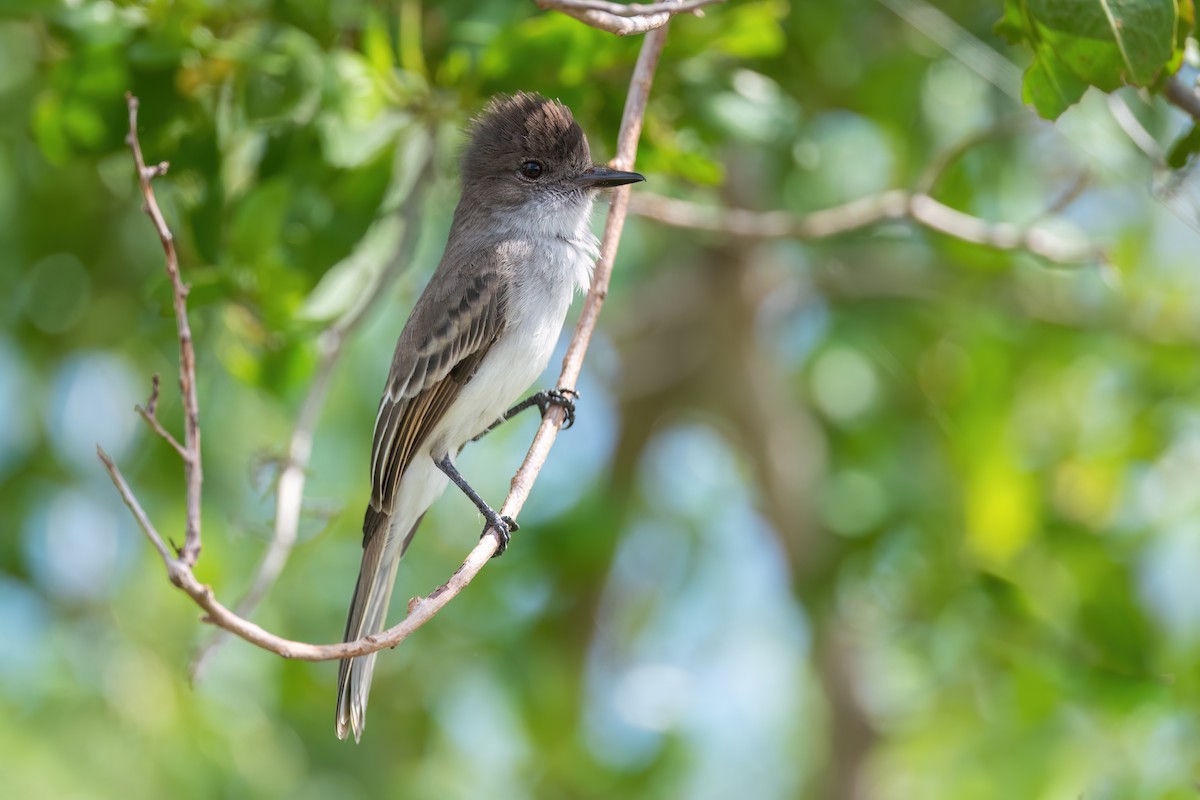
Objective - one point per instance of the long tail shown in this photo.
(368, 613)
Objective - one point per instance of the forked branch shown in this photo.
(896, 204)
(190, 452)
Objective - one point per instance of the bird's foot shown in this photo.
(563, 398)
(504, 526)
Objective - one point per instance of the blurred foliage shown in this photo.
(890, 515)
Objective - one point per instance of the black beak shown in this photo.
(603, 178)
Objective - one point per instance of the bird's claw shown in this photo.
(564, 399)
(504, 526)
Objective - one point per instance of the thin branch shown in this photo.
(625, 19)
(187, 354)
(150, 414)
(293, 474)
(1068, 195)
(896, 204)
(1123, 115)
(941, 162)
(138, 513)
(627, 144)
(630, 9)
(420, 609)
(165, 434)
(1184, 96)
(771, 224)
(999, 235)
(182, 576)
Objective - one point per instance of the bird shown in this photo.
(519, 247)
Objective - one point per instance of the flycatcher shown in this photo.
(481, 333)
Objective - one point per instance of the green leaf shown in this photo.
(1184, 25)
(376, 44)
(254, 232)
(1012, 25)
(1101, 43)
(1051, 88)
(1110, 42)
(282, 80)
(752, 31)
(1183, 149)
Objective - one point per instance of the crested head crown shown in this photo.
(523, 126)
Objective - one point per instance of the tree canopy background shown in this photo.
(879, 515)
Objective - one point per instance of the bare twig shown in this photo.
(142, 520)
(152, 401)
(630, 9)
(625, 19)
(420, 610)
(1184, 96)
(1000, 235)
(896, 204)
(293, 473)
(187, 354)
(150, 414)
(182, 576)
(941, 161)
(1123, 115)
(1068, 195)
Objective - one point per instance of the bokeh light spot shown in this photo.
(852, 503)
(71, 545)
(843, 384)
(57, 292)
(92, 403)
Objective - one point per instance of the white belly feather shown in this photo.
(537, 308)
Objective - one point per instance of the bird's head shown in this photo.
(525, 149)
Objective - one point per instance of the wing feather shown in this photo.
(429, 370)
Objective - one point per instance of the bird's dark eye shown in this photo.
(531, 170)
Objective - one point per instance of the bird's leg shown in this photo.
(503, 524)
(563, 398)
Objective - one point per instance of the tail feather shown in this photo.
(368, 615)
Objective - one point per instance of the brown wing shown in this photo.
(450, 331)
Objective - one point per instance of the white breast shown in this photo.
(553, 262)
